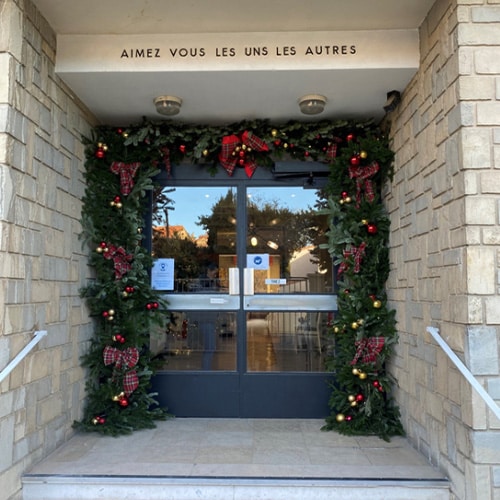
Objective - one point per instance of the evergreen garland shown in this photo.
(364, 328)
(120, 167)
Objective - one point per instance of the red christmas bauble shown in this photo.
(123, 402)
(359, 398)
(376, 383)
(354, 161)
(182, 148)
(371, 228)
(101, 420)
(100, 153)
(350, 137)
(149, 306)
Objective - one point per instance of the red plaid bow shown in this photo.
(127, 358)
(368, 349)
(357, 253)
(331, 150)
(362, 176)
(127, 172)
(229, 144)
(121, 260)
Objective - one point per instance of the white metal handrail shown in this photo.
(465, 371)
(39, 334)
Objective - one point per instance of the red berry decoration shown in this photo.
(372, 229)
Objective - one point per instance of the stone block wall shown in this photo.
(42, 264)
(445, 243)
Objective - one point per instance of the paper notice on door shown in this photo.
(258, 261)
(162, 274)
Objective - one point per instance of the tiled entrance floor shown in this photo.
(244, 448)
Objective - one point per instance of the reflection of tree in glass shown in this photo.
(168, 243)
(274, 229)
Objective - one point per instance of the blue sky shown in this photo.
(191, 202)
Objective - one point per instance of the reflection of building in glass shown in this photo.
(179, 232)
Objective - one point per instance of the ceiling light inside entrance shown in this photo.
(168, 105)
(312, 104)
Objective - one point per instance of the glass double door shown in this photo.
(250, 298)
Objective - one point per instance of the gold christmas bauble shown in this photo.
(351, 398)
(354, 325)
(336, 329)
(274, 132)
(355, 371)
(360, 321)
(205, 152)
(362, 375)
(354, 403)
(377, 304)
(363, 154)
(364, 222)
(340, 417)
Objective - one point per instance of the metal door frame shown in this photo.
(241, 393)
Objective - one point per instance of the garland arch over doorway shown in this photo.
(120, 167)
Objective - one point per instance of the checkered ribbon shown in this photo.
(368, 349)
(127, 358)
(126, 172)
(165, 158)
(229, 144)
(357, 253)
(362, 176)
(121, 260)
(331, 150)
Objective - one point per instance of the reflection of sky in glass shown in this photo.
(191, 202)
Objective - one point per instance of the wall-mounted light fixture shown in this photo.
(168, 105)
(312, 104)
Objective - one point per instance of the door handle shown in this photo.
(234, 281)
(248, 287)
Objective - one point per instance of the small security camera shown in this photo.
(393, 99)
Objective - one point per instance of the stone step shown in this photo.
(94, 487)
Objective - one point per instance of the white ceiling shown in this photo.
(121, 98)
